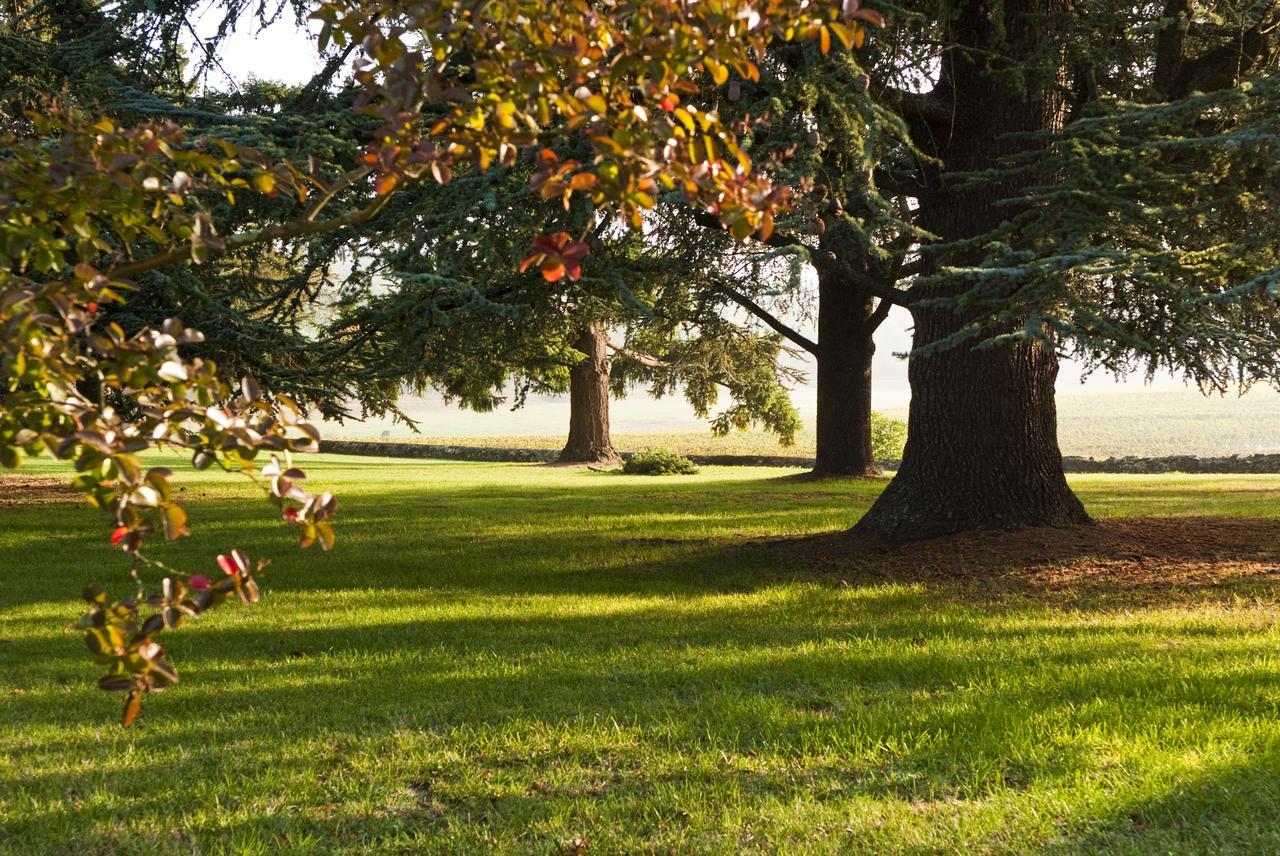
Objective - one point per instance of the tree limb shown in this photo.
(876, 318)
(711, 221)
(1222, 67)
(642, 359)
(768, 318)
(918, 106)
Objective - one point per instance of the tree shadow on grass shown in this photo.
(1135, 561)
(635, 638)
(875, 693)
(602, 535)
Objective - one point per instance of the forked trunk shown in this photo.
(845, 349)
(589, 441)
(982, 443)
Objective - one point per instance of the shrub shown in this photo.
(658, 464)
(888, 436)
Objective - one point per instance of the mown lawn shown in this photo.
(508, 658)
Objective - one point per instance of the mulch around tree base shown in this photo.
(1128, 553)
(18, 490)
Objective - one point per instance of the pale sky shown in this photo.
(286, 53)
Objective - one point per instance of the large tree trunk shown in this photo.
(982, 444)
(589, 441)
(845, 349)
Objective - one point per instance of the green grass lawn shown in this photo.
(505, 658)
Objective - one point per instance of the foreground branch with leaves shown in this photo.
(77, 201)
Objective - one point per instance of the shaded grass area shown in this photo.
(506, 658)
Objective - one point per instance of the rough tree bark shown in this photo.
(982, 446)
(843, 355)
(589, 441)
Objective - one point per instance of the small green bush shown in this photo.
(658, 464)
(888, 436)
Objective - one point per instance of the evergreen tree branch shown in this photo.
(284, 231)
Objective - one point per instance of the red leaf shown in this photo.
(551, 243)
(576, 250)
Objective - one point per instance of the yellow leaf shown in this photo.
(685, 119)
(718, 72)
(505, 113)
(843, 33)
(325, 535)
(264, 182)
(132, 704)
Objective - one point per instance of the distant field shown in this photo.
(1147, 423)
(1168, 422)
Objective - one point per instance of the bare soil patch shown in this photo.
(16, 491)
(1144, 553)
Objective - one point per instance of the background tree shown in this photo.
(813, 116)
(454, 312)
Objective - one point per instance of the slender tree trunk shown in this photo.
(589, 441)
(845, 349)
(982, 445)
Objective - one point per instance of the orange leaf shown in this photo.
(132, 704)
(553, 269)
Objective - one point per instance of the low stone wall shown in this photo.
(1172, 464)
(1175, 464)
(494, 455)
(384, 449)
